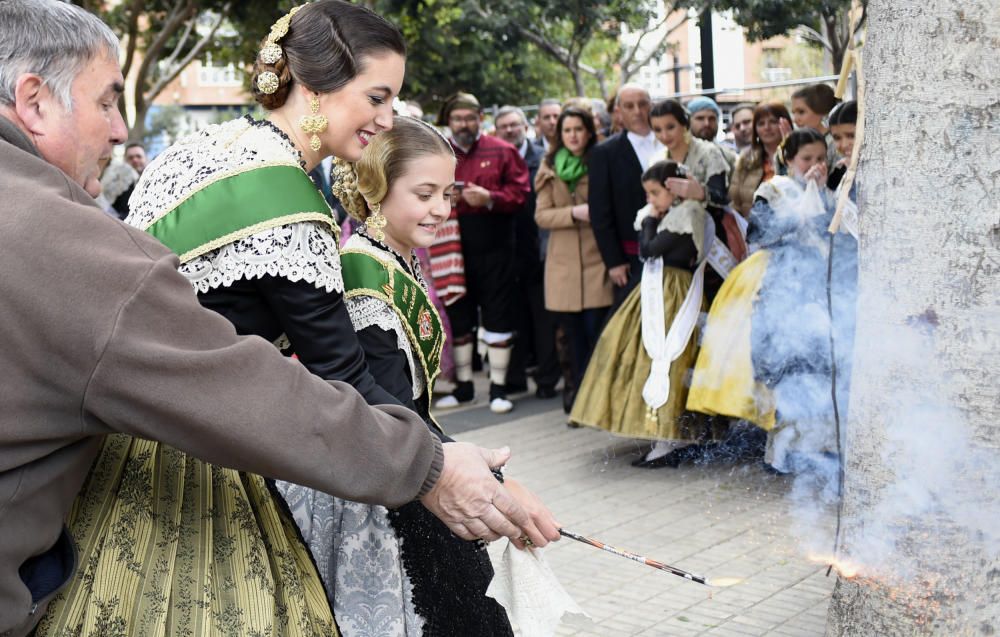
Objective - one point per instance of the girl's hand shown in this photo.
(539, 513)
(686, 188)
(817, 173)
(581, 212)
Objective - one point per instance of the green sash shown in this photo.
(239, 205)
(383, 279)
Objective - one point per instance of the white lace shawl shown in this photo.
(303, 251)
(367, 311)
(686, 217)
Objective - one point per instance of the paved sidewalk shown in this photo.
(720, 520)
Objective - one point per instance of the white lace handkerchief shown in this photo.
(534, 599)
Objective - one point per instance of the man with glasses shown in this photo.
(491, 187)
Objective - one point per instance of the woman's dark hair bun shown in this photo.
(327, 44)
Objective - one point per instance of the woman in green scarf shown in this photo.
(577, 287)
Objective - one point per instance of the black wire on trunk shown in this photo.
(836, 407)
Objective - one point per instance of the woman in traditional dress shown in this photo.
(577, 286)
(765, 356)
(707, 180)
(634, 385)
(401, 190)
(173, 545)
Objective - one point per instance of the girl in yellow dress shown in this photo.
(765, 356)
(634, 385)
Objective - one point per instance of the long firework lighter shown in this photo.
(673, 570)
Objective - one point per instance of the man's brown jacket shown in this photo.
(101, 334)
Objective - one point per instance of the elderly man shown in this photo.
(104, 335)
(705, 116)
(536, 327)
(492, 182)
(615, 167)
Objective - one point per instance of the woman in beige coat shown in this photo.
(756, 164)
(577, 287)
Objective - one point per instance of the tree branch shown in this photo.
(178, 15)
(629, 71)
(560, 53)
(195, 51)
(172, 58)
(628, 59)
(133, 35)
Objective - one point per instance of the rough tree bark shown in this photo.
(930, 256)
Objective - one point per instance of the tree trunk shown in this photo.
(578, 79)
(838, 43)
(138, 130)
(920, 498)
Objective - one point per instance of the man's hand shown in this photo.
(686, 188)
(619, 274)
(539, 513)
(470, 500)
(476, 196)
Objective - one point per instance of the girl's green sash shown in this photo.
(368, 275)
(239, 205)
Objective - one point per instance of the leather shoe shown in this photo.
(545, 392)
(668, 460)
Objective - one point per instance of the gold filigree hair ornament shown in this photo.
(270, 53)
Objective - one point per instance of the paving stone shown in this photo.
(725, 520)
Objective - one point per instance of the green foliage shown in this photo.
(454, 46)
(765, 19)
(824, 22)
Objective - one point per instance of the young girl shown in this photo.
(634, 385)
(765, 355)
(843, 124)
(403, 563)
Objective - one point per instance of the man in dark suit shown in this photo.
(615, 167)
(536, 326)
(321, 177)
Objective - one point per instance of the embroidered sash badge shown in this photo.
(426, 329)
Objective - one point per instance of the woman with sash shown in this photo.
(401, 191)
(173, 545)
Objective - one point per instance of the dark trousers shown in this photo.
(490, 294)
(582, 330)
(634, 276)
(536, 339)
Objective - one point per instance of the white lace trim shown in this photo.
(297, 252)
(367, 311)
(304, 251)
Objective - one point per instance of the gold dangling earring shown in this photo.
(375, 222)
(314, 123)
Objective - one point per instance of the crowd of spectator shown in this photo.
(553, 250)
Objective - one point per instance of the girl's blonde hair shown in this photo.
(384, 160)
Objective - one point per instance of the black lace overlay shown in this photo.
(449, 576)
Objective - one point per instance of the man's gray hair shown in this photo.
(549, 101)
(504, 111)
(51, 39)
